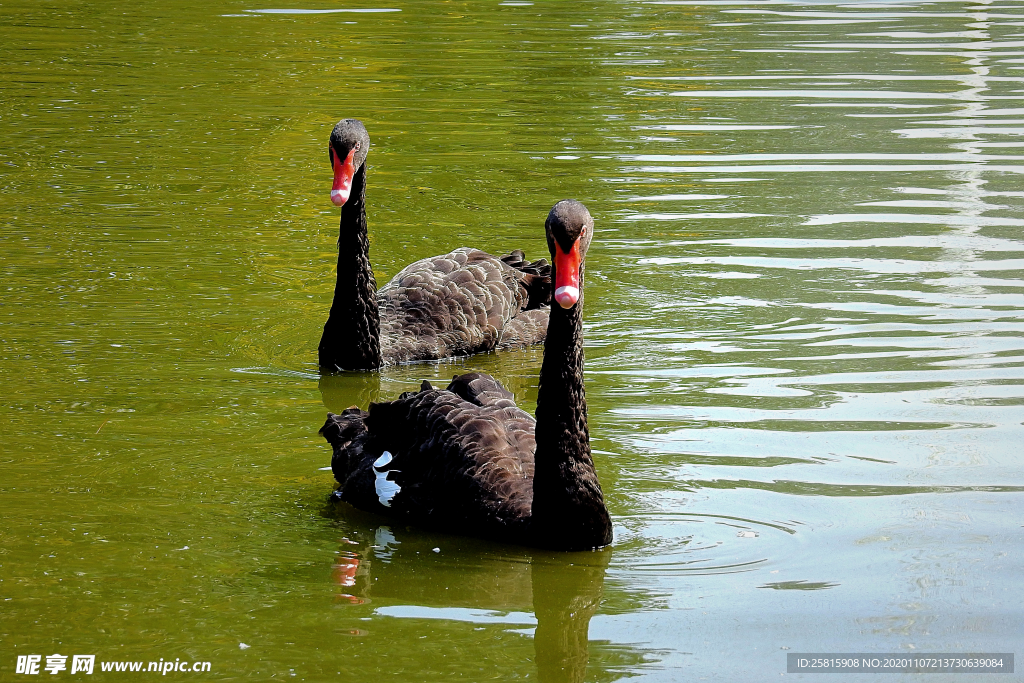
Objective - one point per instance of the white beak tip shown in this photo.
(567, 296)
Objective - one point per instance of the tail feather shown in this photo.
(536, 277)
(343, 432)
(480, 389)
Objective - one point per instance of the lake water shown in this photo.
(805, 330)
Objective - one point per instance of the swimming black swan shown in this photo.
(466, 460)
(453, 305)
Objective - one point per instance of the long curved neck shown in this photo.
(351, 339)
(568, 506)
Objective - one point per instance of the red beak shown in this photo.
(343, 175)
(567, 275)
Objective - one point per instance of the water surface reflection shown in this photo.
(804, 340)
(552, 597)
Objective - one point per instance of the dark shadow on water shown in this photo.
(800, 585)
(410, 573)
(566, 594)
(344, 389)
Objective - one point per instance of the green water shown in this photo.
(805, 331)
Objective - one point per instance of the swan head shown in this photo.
(569, 229)
(347, 150)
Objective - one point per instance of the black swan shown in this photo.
(458, 304)
(466, 460)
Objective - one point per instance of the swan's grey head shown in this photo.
(569, 230)
(347, 150)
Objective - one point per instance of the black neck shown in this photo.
(351, 339)
(568, 506)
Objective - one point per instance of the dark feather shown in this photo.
(462, 303)
(468, 442)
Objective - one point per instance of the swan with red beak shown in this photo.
(455, 304)
(348, 147)
(569, 230)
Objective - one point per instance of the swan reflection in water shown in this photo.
(472, 580)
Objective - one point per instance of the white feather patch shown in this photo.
(386, 490)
